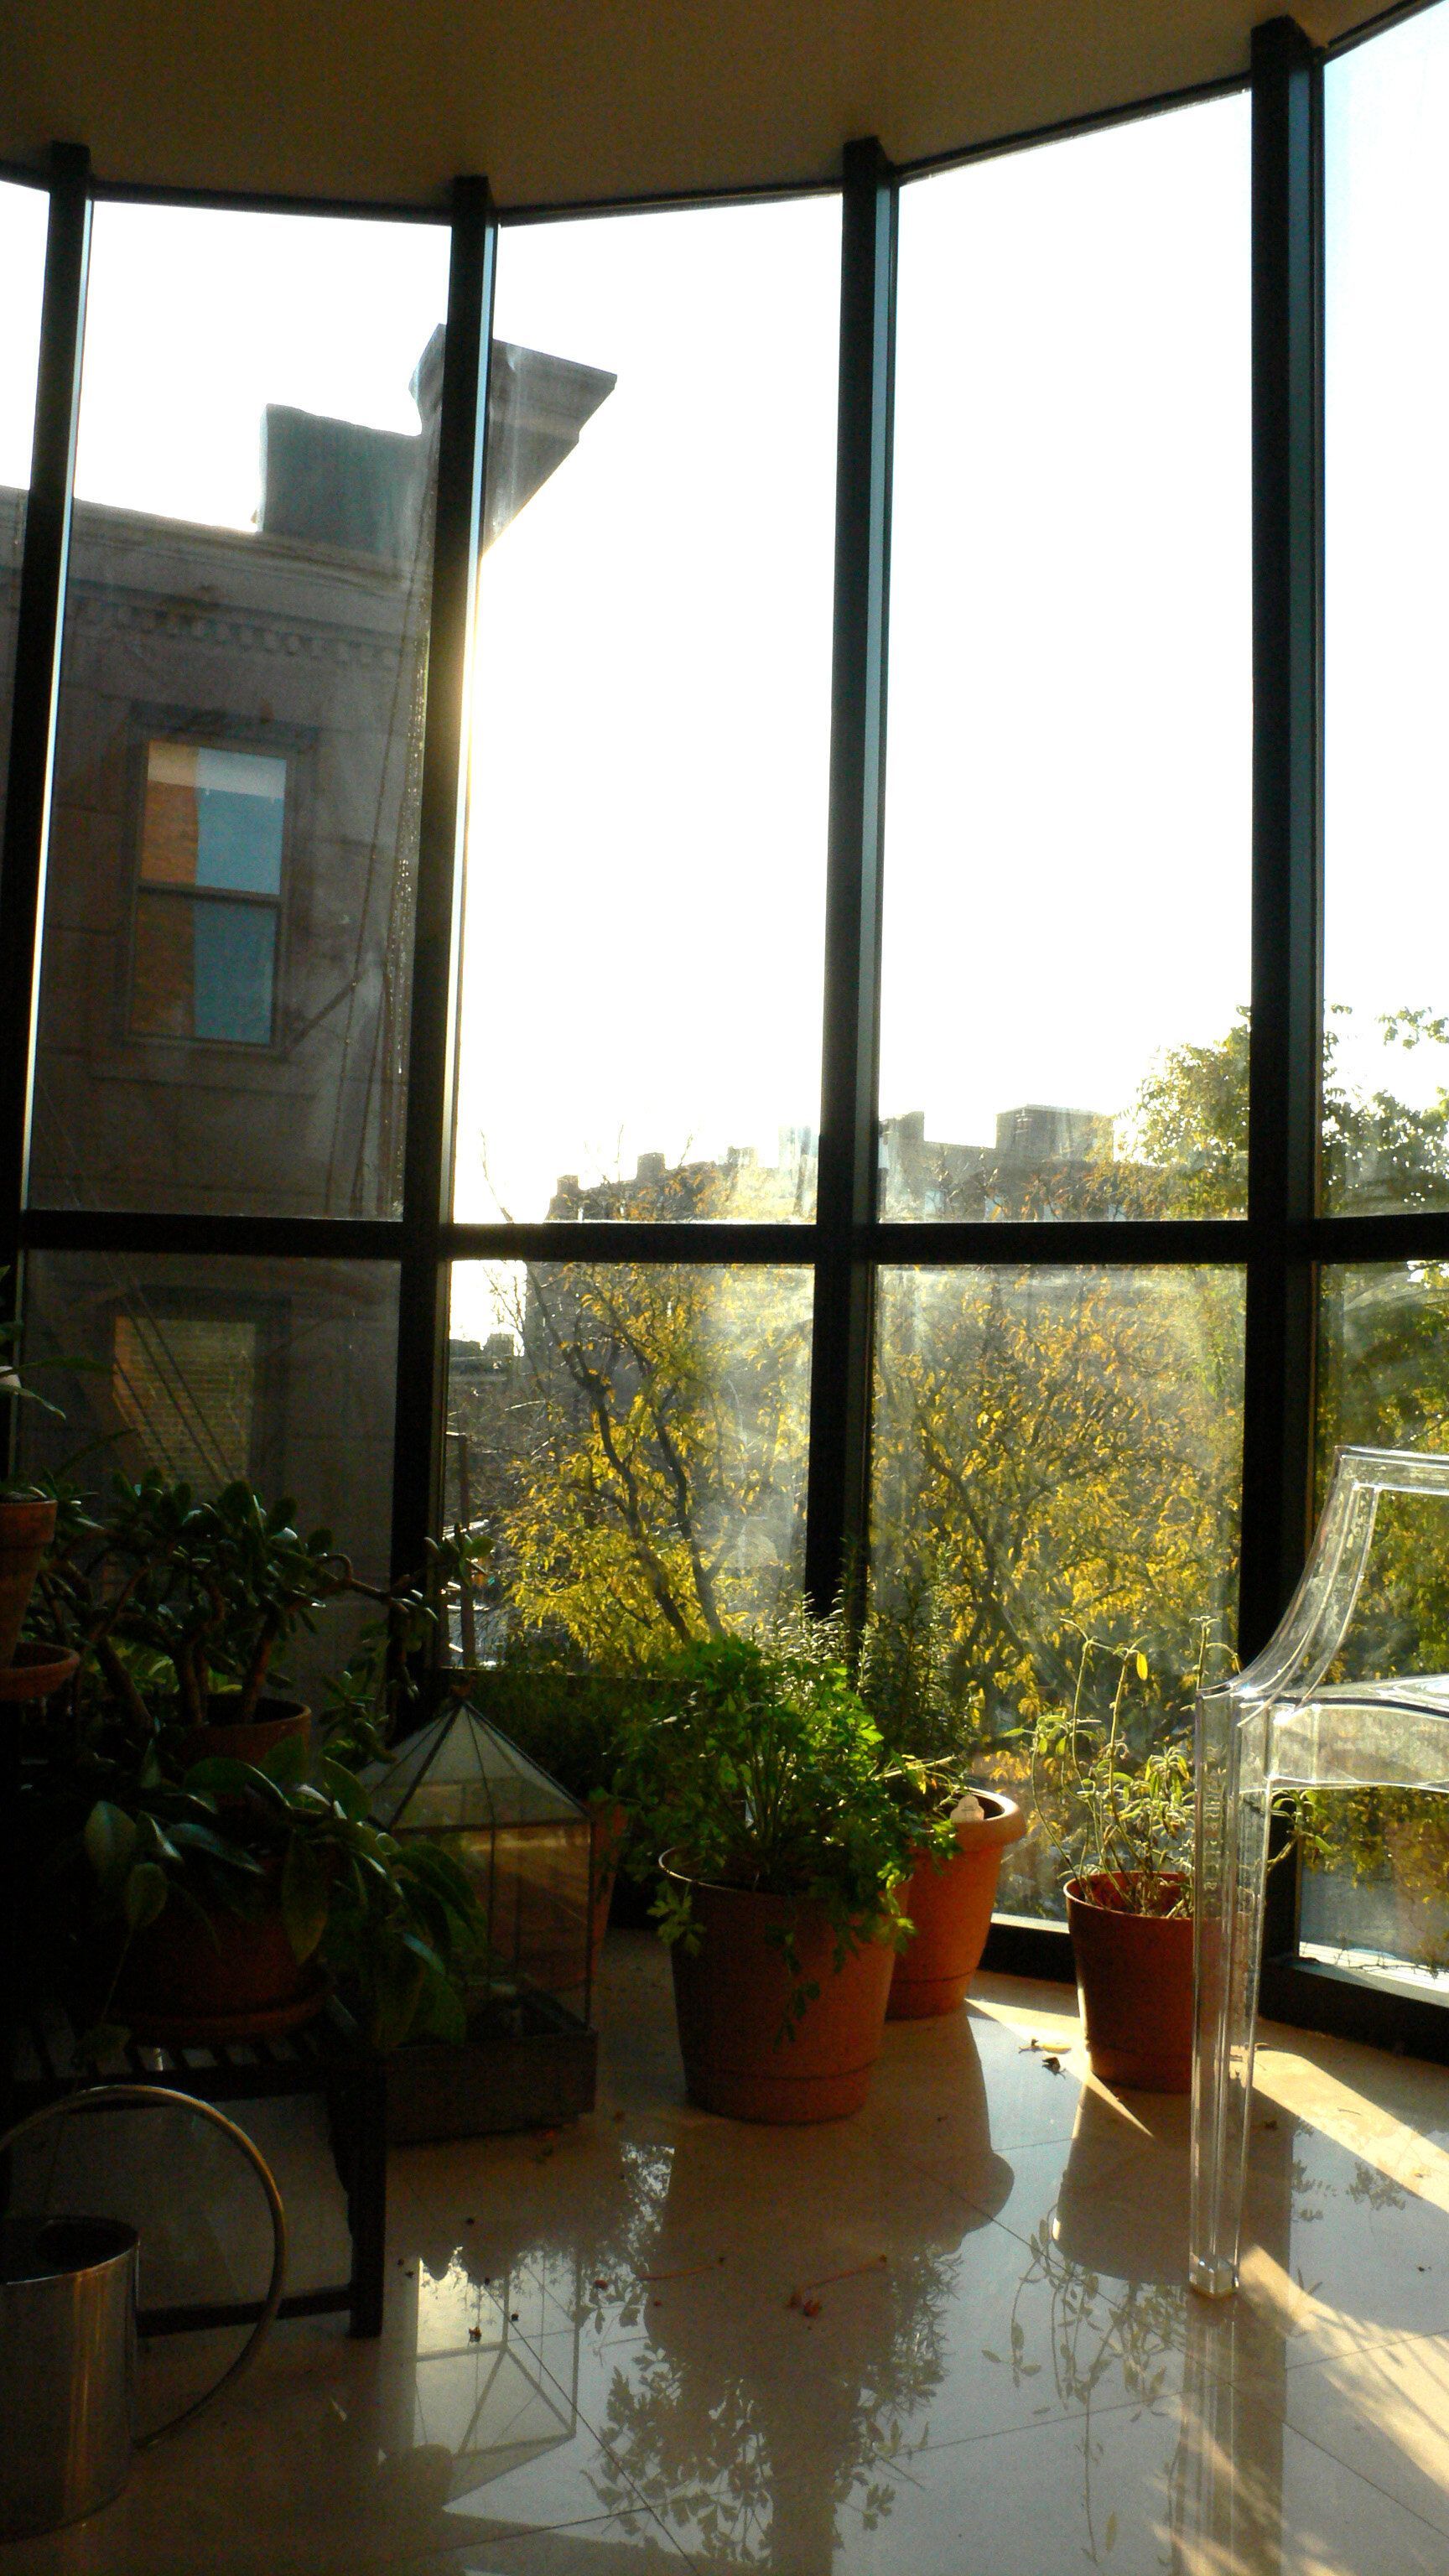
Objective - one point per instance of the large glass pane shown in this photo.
(1386, 843)
(1067, 818)
(24, 213)
(635, 1437)
(646, 851)
(281, 1372)
(1376, 1888)
(228, 932)
(1057, 1456)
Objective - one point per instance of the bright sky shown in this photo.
(1387, 517)
(1067, 818)
(1068, 785)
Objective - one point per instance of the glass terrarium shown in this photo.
(524, 1843)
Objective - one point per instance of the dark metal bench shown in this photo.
(323, 2057)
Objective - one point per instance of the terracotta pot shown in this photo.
(1134, 1979)
(608, 1833)
(231, 1976)
(277, 1719)
(731, 2000)
(26, 1529)
(951, 1909)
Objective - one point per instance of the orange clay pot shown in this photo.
(27, 1527)
(229, 1976)
(951, 1908)
(276, 1720)
(1134, 1980)
(732, 1997)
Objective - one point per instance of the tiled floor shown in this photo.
(598, 2355)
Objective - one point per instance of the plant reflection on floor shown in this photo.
(752, 2422)
(1103, 2321)
(1122, 2336)
(759, 2466)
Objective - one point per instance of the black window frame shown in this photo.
(1283, 1238)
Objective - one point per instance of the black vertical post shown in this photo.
(1286, 1043)
(39, 622)
(428, 1156)
(840, 1389)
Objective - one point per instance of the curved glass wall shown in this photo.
(1067, 811)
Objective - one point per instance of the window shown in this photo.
(185, 1386)
(243, 658)
(1386, 567)
(208, 904)
(23, 214)
(1067, 829)
(643, 928)
(829, 1101)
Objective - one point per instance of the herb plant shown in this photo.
(765, 1771)
(1114, 1814)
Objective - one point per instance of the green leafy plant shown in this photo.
(172, 1602)
(1114, 1811)
(395, 1920)
(904, 1664)
(765, 1771)
(389, 1683)
(200, 1595)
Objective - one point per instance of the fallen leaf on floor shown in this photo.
(475, 2334)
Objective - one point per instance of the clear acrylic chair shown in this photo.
(1281, 1725)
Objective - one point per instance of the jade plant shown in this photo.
(172, 1601)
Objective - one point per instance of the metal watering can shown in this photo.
(68, 2338)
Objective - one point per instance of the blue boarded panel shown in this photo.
(240, 804)
(235, 966)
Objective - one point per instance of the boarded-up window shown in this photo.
(208, 904)
(186, 1387)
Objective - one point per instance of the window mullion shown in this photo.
(1285, 1054)
(37, 666)
(838, 1504)
(428, 1150)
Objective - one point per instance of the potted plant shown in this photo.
(197, 1598)
(237, 1894)
(27, 1510)
(223, 1899)
(216, 1874)
(1121, 1821)
(783, 1851)
(950, 1896)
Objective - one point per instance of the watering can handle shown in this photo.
(97, 2095)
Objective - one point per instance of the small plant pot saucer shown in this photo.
(37, 1671)
(206, 2028)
